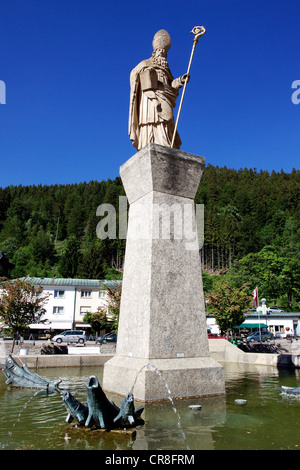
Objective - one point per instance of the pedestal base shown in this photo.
(162, 313)
(164, 378)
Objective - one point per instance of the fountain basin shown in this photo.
(32, 422)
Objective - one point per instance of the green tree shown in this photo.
(229, 218)
(114, 292)
(274, 270)
(97, 320)
(93, 263)
(9, 246)
(228, 305)
(70, 260)
(20, 305)
(43, 247)
(207, 281)
(5, 265)
(75, 214)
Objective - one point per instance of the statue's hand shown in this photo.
(180, 81)
(185, 77)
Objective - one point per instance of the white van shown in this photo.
(70, 336)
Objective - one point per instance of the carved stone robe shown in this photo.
(151, 106)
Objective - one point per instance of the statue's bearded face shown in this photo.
(159, 58)
(160, 52)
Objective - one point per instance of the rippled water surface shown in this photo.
(30, 420)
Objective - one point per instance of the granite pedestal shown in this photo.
(162, 316)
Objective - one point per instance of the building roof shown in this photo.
(261, 315)
(59, 282)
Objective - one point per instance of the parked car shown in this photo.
(260, 336)
(275, 310)
(108, 338)
(215, 336)
(70, 336)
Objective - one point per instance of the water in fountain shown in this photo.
(20, 413)
(158, 372)
(36, 393)
(221, 424)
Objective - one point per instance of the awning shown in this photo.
(251, 325)
(39, 326)
(51, 326)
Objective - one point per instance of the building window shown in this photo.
(84, 310)
(102, 294)
(58, 310)
(279, 328)
(86, 293)
(59, 294)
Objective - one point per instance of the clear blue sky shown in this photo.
(66, 66)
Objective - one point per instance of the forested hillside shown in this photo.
(251, 229)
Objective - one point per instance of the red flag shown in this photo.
(255, 298)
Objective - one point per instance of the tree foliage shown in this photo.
(250, 217)
(228, 305)
(114, 293)
(97, 320)
(51, 230)
(20, 304)
(106, 316)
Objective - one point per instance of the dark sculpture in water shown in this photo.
(128, 415)
(21, 376)
(99, 411)
(289, 391)
(76, 410)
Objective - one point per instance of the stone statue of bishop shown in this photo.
(152, 97)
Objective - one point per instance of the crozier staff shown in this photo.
(197, 31)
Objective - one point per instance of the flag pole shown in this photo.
(258, 314)
(197, 31)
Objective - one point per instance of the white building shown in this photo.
(69, 300)
(285, 323)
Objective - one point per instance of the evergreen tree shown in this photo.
(245, 211)
(70, 260)
(93, 264)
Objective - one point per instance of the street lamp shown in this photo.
(264, 306)
(264, 309)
